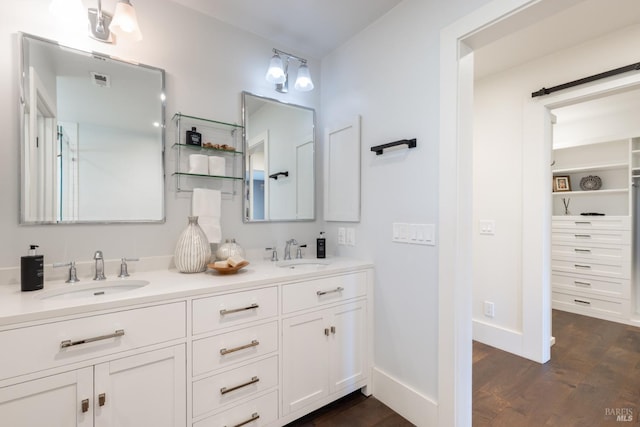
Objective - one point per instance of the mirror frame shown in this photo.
(245, 145)
(22, 75)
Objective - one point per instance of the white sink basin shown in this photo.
(93, 289)
(303, 264)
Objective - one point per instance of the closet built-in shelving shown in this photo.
(218, 139)
(592, 263)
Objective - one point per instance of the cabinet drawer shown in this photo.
(227, 310)
(581, 237)
(590, 305)
(609, 254)
(236, 384)
(582, 285)
(222, 350)
(583, 222)
(591, 268)
(313, 293)
(41, 347)
(258, 412)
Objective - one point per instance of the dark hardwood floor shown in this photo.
(353, 410)
(593, 376)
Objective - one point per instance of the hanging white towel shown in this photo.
(199, 164)
(206, 205)
(217, 166)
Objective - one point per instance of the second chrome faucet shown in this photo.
(99, 258)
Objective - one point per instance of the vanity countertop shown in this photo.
(164, 285)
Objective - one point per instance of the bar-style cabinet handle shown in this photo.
(236, 310)
(254, 417)
(584, 236)
(581, 266)
(588, 251)
(583, 222)
(69, 343)
(253, 343)
(85, 405)
(578, 301)
(579, 283)
(225, 390)
(338, 289)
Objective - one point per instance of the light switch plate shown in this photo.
(351, 236)
(342, 236)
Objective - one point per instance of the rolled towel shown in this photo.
(206, 204)
(217, 166)
(198, 164)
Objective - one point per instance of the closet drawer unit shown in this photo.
(590, 305)
(258, 412)
(314, 293)
(581, 237)
(583, 285)
(609, 254)
(223, 350)
(620, 271)
(222, 311)
(60, 343)
(231, 386)
(582, 223)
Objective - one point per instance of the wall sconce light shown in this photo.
(278, 72)
(103, 26)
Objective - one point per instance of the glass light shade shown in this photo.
(303, 82)
(275, 73)
(68, 10)
(125, 22)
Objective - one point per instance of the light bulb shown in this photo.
(303, 82)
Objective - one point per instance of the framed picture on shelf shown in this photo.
(561, 183)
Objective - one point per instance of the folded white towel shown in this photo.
(217, 166)
(199, 164)
(206, 205)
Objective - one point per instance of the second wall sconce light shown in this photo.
(278, 72)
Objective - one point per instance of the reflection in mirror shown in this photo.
(279, 160)
(92, 137)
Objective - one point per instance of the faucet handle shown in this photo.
(299, 251)
(73, 274)
(274, 253)
(98, 255)
(124, 268)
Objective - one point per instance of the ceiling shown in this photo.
(312, 27)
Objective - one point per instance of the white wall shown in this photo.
(499, 159)
(208, 64)
(389, 75)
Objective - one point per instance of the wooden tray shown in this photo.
(228, 270)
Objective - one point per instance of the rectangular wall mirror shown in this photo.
(92, 137)
(279, 147)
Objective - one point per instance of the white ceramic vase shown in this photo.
(193, 251)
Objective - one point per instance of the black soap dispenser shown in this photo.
(194, 137)
(321, 246)
(32, 271)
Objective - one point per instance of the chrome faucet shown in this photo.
(287, 248)
(99, 266)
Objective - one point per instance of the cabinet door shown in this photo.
(54, 401)
(347, 345)
(305, 362)
(147, 389)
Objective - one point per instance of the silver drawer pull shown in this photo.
(581, 266)
(579, 301)
(237, 310)
(588, 251)
(253, 343)
(338, 289)
(225, 390)
(69, 343)
(584, 236)
(581, 283)
(583, 222)
(254, 417)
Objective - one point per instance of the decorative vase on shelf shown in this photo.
(228, 249)
(193, 251)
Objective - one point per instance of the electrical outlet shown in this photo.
(342, 236)
(489, 309)
(488, 227)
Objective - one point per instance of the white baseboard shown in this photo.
(495, 336)
(415, 407)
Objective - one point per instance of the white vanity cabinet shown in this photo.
(102, 370)
(324, 347)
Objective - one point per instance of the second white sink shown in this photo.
(306, 264)
(93, 290)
